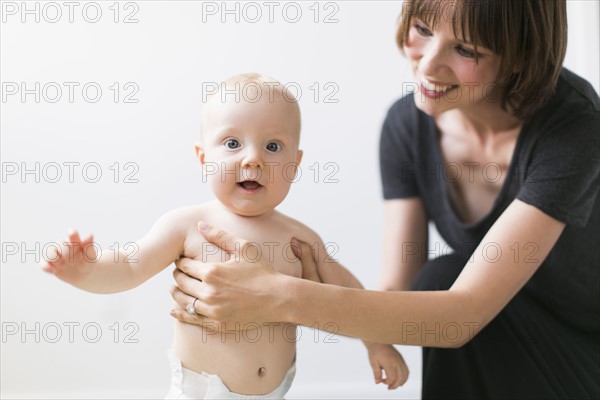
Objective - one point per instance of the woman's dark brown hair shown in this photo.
(529, 35)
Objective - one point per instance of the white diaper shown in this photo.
(188, 384)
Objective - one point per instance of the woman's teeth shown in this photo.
(435, 87)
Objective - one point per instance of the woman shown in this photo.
(499, 147)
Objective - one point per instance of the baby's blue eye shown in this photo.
(232, 144)
(272, 146)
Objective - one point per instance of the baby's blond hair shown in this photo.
(251, 87)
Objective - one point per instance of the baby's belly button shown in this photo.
(244, 364)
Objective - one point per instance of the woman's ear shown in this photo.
(199, 153)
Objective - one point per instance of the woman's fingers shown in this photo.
(220, 238)
(304, 253)
(190, 286)
(192, 268)
(184, 300)
(185, 316)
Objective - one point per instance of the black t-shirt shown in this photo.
(555, 167)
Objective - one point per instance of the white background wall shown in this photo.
(168, 54)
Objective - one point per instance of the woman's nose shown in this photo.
(432, 59)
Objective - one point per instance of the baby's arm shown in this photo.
(77, 262)
(382, 357)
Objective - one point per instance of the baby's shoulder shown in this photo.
(299, 230)
(184, 217)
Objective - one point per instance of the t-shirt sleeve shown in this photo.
(562, 178)
(396, 156)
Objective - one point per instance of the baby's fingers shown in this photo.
(87, 241)
(391, 377)
(74, 236)
(376, 370)
(402, 373)
(74, 244)
(55, 257)
(72, 250)
(401, 377)
(50, 262)
(48, 267)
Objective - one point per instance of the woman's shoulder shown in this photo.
(572, 114)
(575, 89)
(404, 119)
(574, 98)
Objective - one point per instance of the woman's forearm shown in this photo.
(431, 319)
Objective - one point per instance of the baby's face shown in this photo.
(250, 152)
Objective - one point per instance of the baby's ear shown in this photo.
(199, 153)
(299, 155)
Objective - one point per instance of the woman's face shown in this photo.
(446, 73)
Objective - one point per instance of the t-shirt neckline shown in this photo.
(439, 160)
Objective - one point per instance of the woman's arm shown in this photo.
(404, 250)
(256, 292)
(405, 243)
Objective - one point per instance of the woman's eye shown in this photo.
(273, 147)
(465, 52)
(422, 30)
(232, 144)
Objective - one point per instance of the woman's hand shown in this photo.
(245, 289)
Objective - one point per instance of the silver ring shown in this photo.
(191, 308)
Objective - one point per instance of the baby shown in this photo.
(250, 132)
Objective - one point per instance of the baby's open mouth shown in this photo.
(250, 185)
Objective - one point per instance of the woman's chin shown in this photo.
(431, 107)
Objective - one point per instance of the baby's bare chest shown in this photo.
(273, 247)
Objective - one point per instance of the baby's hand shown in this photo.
(385, 357)
(73, 261)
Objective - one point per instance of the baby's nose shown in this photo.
(252, 160)
(252, 164)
